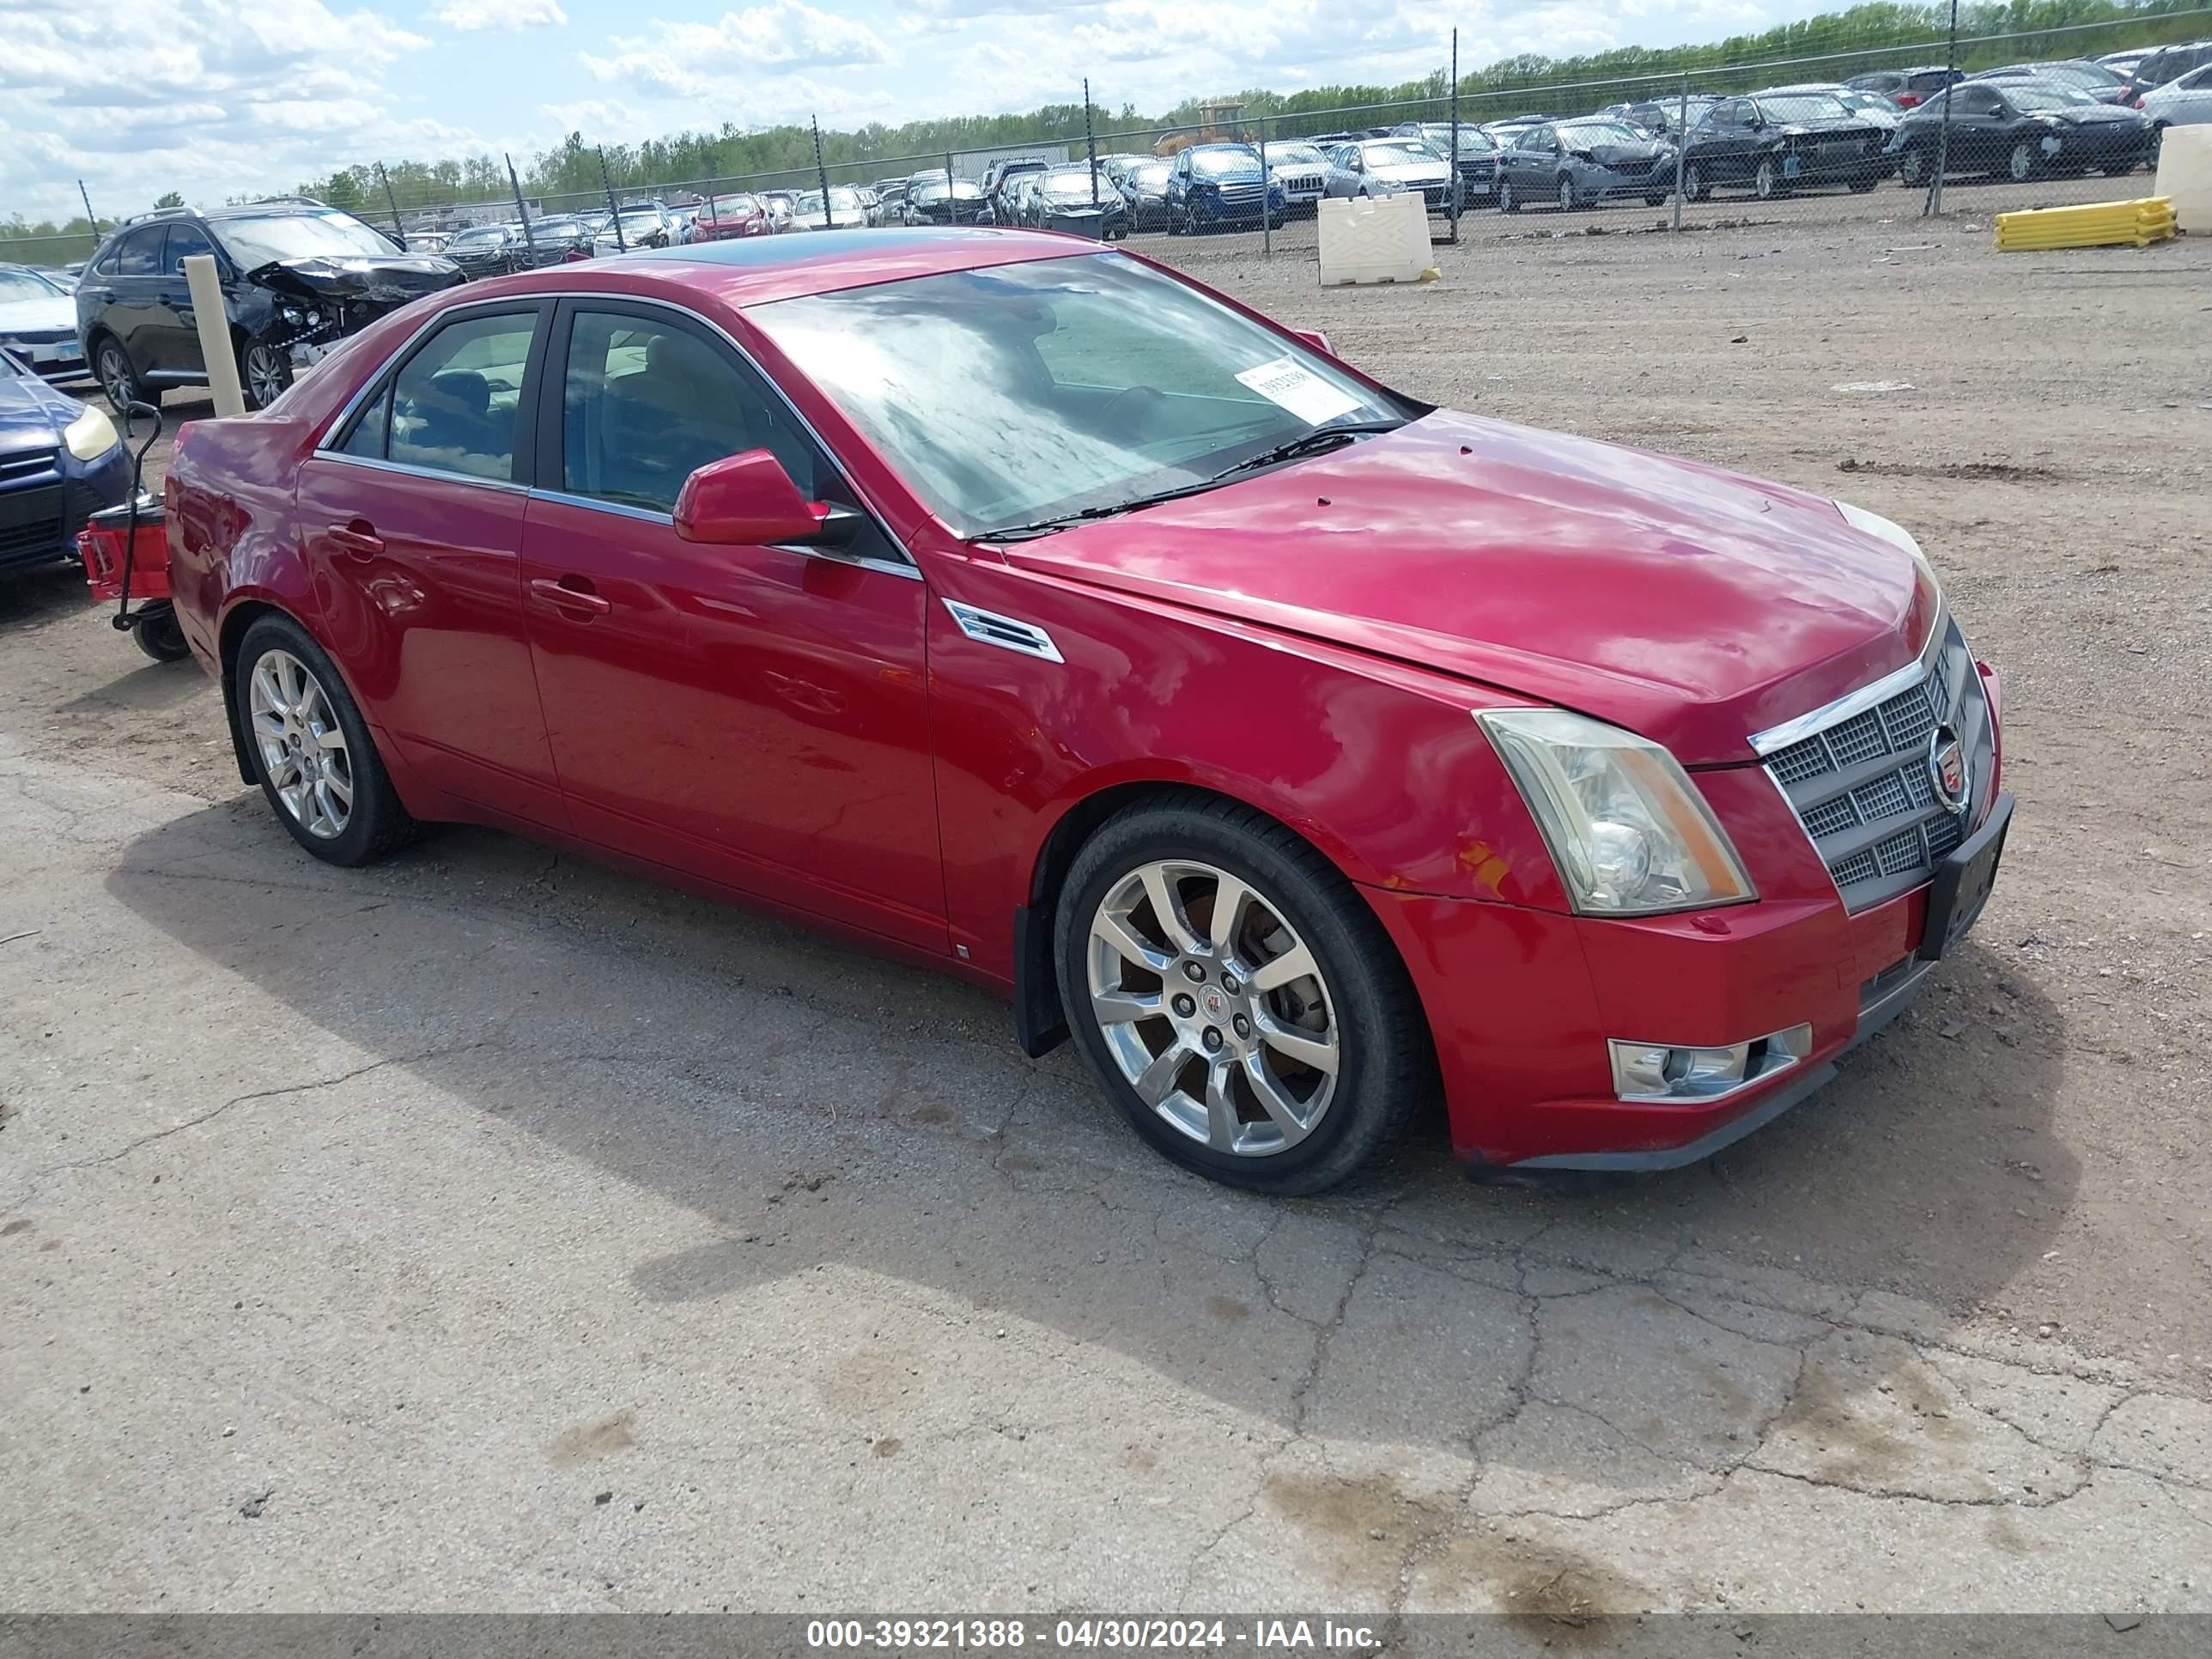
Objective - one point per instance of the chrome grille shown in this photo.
(1861, 784)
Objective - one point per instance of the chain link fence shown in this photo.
(1986, 161)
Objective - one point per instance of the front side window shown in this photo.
(184, 241)
(455, 404)
(1028, 392)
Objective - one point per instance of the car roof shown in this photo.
(758, 271)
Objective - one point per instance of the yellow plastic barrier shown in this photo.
(2097, 224)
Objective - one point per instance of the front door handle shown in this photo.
(357, 538)
(572, 596)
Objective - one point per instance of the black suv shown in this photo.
(297, 277)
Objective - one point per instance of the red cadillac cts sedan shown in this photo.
(1028, 608)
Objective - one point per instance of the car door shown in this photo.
(1979, 136)
(2190, 102)
(755, 715)
(173, 329)
(412, 519)
(128, 294)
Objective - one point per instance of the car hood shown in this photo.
(32, 413)
(1692, 605)
(2091, 115)
(384, 279)
(24, 316)
(1613, 155)
(1410, 172)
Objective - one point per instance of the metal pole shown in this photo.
(1458, 184)
(397, 229)
(89, 217)
(1266, 198)
(1944, 123)
(823, 173)
(952, 196)
(1091, 144)
(528, 240)
(1681, 147)
(613, 213)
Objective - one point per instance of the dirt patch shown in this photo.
(604, 1438)
(1964, 471)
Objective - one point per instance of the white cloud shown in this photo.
(693, 60)
(471, 16)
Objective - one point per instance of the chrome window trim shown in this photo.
(649, 515)
(323, 444)
(1778, 737)
(408, 469)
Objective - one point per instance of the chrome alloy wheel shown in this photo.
(1213, 1008)
(303, 748)
(266, 375)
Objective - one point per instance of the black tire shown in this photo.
(119, 378)
(1694, 187)
(1766, 181)
(377, 823)
(1565, 196)
(160, 635)
(1386, 1066)
(1507, 201)
(265, 374)
(1913, 168)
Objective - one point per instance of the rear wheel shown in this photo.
(110, 365)
(311, 751)
(1239, 1001)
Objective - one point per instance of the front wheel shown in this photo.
(1913, 168)
(1766, 183)
(1567, 200)
(1237, 998)
(1694, 187)
(112, 366)
(311, 751)
(2020, 165)
(263, 373)
(1507, 201)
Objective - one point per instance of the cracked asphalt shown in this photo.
(488, 1230)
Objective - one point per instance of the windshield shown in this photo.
(1218, 163)
(26, 285)
(1069, 184)
(256, 239)
(2027, 94)
(2079, 74)
(1804, 107)
(1600, 132)
(1151, 176)
(485, 234)
(1873, 100)
(733, 207)
(1289, 156)
(1027, 391)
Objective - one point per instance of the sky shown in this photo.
(215, 98)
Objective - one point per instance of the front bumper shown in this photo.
(52, 354)
(1613, 183)
(40, 514)
(1520, 1002)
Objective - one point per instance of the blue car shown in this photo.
(1211, 185)
(60, 462)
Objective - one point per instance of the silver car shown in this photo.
(1303, 171)
(38, 323)
(1578, 164)
(1387, 166)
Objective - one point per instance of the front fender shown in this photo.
(1381, 766)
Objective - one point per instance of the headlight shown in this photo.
(1627, 830)
(89, 436)
(1896, 535)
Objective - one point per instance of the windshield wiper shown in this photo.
(1305, 443)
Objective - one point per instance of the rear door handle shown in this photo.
(572, 596)
(357, 538)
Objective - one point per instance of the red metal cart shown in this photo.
(126, 551)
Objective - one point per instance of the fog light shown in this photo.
(1656, 1071)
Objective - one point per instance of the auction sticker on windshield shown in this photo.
(1293, 386)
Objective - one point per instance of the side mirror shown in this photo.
(750, 500)
(1317, 339)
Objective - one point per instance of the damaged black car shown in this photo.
(298, 275)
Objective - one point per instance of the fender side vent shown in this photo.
(989, 628)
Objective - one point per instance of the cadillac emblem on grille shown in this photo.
(1946, 767)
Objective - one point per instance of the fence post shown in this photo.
(1267, 198)
(1934, 208)
(89, 217)
(384, 178)
(1091, 144)
(1458, 184)
(822, 173)
(614, 212)
(528, 240)
(1681, 147)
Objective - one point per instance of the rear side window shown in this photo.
(456, 402)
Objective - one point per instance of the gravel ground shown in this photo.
(362, 1229)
